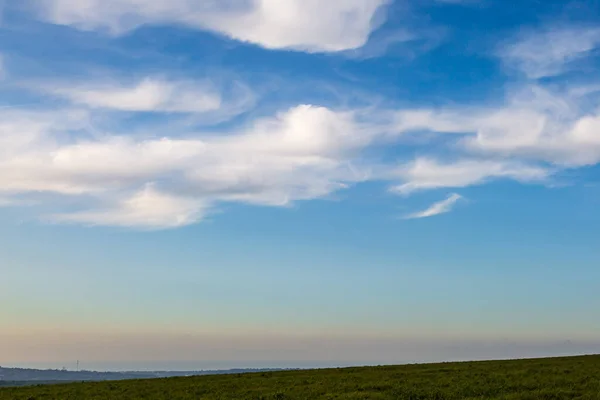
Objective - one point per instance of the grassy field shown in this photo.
(551, 378)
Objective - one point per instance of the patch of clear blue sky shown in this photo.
(511, 252)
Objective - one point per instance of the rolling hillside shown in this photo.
(550, 378)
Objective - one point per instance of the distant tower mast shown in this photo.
(77, 365)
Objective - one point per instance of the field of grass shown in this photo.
(551, 378)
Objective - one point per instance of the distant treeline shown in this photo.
(21, 376)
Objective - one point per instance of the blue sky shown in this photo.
(193, 183)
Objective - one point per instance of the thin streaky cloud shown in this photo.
(441, 207)
(148, 95)
(427, 174)
(550, 52)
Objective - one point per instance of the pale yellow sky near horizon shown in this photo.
(164, 348)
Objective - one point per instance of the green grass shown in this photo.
(549, 379)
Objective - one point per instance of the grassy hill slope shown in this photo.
(551, 378)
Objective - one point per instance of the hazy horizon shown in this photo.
(184, 366)
(199, 352)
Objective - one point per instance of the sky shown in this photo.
(190, 184)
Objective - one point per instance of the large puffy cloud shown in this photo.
(304, 153)
(311, 25)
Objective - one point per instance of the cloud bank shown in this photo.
(166, 179)
(305, 152)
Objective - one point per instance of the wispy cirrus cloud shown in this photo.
(427, 174)
(211, 101)
(146, 209)
(148, 95)
(441, 207)
(550, 52)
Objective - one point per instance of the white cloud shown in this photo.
(438, 208)
(425, 173)
(205, 101)
(147, 208)
(303, 153)
(535, 126)
(571, 144)
(550, 52)
(311, 25)
(170, 178)
(432, 120)
(146, 95)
